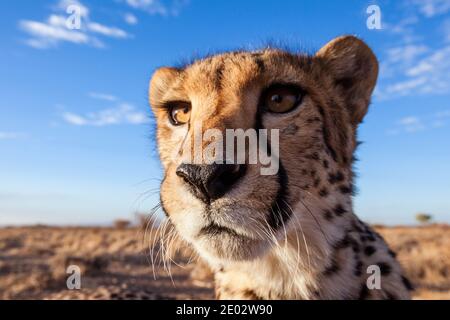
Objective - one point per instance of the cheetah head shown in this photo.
(230, 211)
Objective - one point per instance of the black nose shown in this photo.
(210, 182)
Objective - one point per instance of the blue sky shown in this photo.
(75, 128)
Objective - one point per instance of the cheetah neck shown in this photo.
(295, 266)
(324, 254)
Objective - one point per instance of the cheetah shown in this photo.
(294, 234)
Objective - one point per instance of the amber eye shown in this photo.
(180, 113)
(281, 99)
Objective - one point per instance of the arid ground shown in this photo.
(33, 263)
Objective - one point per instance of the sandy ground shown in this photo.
(33, 262)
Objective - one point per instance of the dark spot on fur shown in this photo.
(260, 63)
(345, 189)
(219, 76)
(339, 210)
(358, 268)
(369, 250)
(332, 269)
(392, 253)
(364, 292)
(323, 192)
(328, 215)
(356, 226)
(313, 156)
(325, 164)
(407, 283)
(385, 269)
(316, 294)
(343, 243)
(250, 294)
(335, 177)
(355, 245)
(316, 182)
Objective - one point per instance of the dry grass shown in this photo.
(33, 262)
(425, 254)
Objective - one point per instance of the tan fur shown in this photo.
(321, 252)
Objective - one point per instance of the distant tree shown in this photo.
(145, 221)
(424, 218)
(121, 224)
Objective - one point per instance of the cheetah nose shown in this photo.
(210, 182)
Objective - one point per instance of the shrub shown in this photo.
(424, 218)
(121, 224)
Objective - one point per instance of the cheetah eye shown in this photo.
(280, 98)
(179, 113)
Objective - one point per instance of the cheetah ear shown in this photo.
(354, 68)
(161, 81)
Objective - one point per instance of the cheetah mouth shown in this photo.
(213, 229)
(229, 244)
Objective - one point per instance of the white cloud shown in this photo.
(64, 4)
(131, 19)
(438, 60)
(400, 57)
(415, 66)
(405, 53)
(54, 30)
(413, 124)
(102, 96)
(404, 87)
(107, 31)
(408, 121)
(74, 119)
(151, 6)
(431, 8)
(403, 28)
(409, 124)
(171, 7)
(417, 70)
(11, 135)
(122, 114)
(46, 34)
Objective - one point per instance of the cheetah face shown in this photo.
(232, 211)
